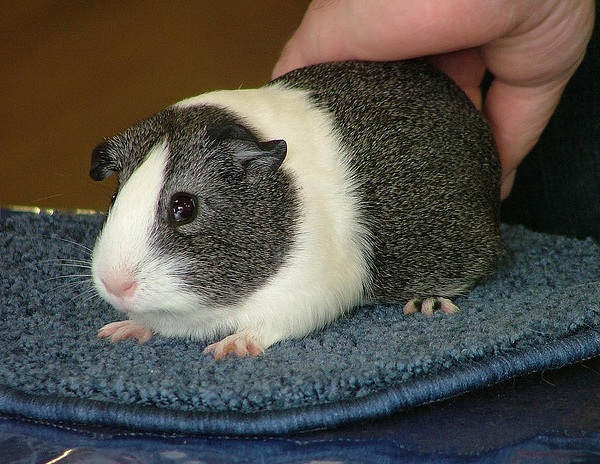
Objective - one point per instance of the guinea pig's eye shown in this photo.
(183, 208)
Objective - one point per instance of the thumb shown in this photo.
(380, 30)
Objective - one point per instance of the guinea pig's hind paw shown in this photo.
(122, 330)
(428, 305)
(240, 345)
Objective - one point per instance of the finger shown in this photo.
(391, 30)
(507, 185)
(518, 115)
(466, 68)
(531, 69)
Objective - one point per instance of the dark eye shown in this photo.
(183, 208)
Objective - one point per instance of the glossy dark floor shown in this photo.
(551, 417)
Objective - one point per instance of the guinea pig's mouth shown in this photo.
(136, 298)
(149, 290)
(121, 290)
(123, 304)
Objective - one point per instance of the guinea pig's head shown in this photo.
(203, 214)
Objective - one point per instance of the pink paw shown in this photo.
(428, 305)
(237, 344)
(122, 330)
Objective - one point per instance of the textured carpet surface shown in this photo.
(541, 311)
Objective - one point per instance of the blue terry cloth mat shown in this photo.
(541, 311)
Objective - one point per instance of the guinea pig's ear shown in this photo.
(253, 155)
(104, 162)
(261, 156)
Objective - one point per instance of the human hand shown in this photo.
(532, 49)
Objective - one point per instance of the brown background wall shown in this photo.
(74, 72)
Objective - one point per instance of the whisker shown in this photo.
(85, 248)
(88, 277)
(75, 282)
(65, 260)
(68, 263)
(81, 289)
(71, 285)
(88, 295)
(79, 266)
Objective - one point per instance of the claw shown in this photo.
(123, 330)
(427, 306)
(237, 344)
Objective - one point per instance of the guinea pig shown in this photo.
(261, 215)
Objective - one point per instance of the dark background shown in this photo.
(74, 72)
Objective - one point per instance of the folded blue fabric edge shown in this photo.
(418, 391)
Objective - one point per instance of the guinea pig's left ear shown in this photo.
(104, 162)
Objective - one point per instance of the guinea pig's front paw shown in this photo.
(238, 344)
(122, 330)
(428, 305)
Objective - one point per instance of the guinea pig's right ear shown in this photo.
(104, 162)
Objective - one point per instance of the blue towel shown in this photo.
(540, 311)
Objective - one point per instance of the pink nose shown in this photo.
(120, 287)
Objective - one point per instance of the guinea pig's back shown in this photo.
(425, 168)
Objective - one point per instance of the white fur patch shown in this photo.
(123, 251)
(329, 266)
